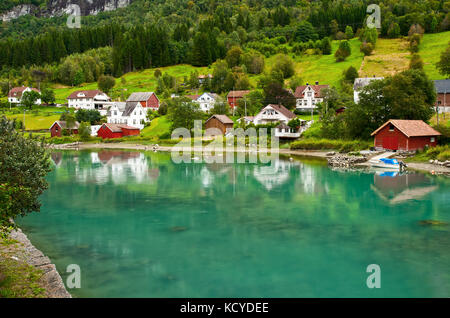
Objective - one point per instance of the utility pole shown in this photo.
(245, 103)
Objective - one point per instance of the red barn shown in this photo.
(147, 99)
(408, 135)
(233, 97)
(58, 126)
(117, 131)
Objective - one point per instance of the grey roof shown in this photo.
(442, 86)
(360, 82)
(129, 108)
(139, 97)
(63, 124)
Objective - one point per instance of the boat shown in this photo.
(387, 163)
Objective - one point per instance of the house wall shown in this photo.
(130, 132)
(404, 143)
(215, 123)
(443, 102)
(105, 132)
(233, 101)
(153, 102)
(55, 131)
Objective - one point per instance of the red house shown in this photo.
(117, 131)
(408, 135)
(147, 99)
(233, 97)
(58, 126)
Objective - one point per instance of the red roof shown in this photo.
(119, 127)
(89, 94)
(18, 91)
(410, 128)
(193, 97)
(237, 94)
(316, 88)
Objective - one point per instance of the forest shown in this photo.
(154, 33)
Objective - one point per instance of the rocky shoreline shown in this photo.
(25, 252)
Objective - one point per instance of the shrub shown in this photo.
(366, 48)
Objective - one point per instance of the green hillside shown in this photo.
(389, 57)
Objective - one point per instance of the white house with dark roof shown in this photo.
(308, 96)
(206, 101)
(129, 113)
(360, 83)
(273, 113)
(90, 99)
(16, 93)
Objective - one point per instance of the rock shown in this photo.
(431, 161)
(331, 153)
(432, 222)
(345, 160)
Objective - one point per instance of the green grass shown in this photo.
(331, 144)
(441, 153)
(35, 122)
(158, 127)
(324, 68)
(430, 50)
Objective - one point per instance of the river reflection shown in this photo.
(141, 226)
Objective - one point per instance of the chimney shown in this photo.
(317, 83)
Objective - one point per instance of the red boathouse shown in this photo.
(407, 135)
(117, 131)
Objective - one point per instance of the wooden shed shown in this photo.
(407, 135)
(117, 131)
(58, 126)
(221, 122)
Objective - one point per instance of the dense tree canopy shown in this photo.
(24, 163)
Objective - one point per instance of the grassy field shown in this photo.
(158, 127)
(40, 118)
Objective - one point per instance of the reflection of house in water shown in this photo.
(118, 166)
(56, 157)
(397, 188)
(274, 174)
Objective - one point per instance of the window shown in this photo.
(432, 139)
(391, 127)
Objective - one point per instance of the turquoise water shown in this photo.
(139, 225)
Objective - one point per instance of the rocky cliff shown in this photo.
(60, 7)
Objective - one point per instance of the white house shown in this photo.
(206, 101)
(91, 99)
(273, 113)
(308, 96)
(130, 113)
(360, 83)
(15, 94)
